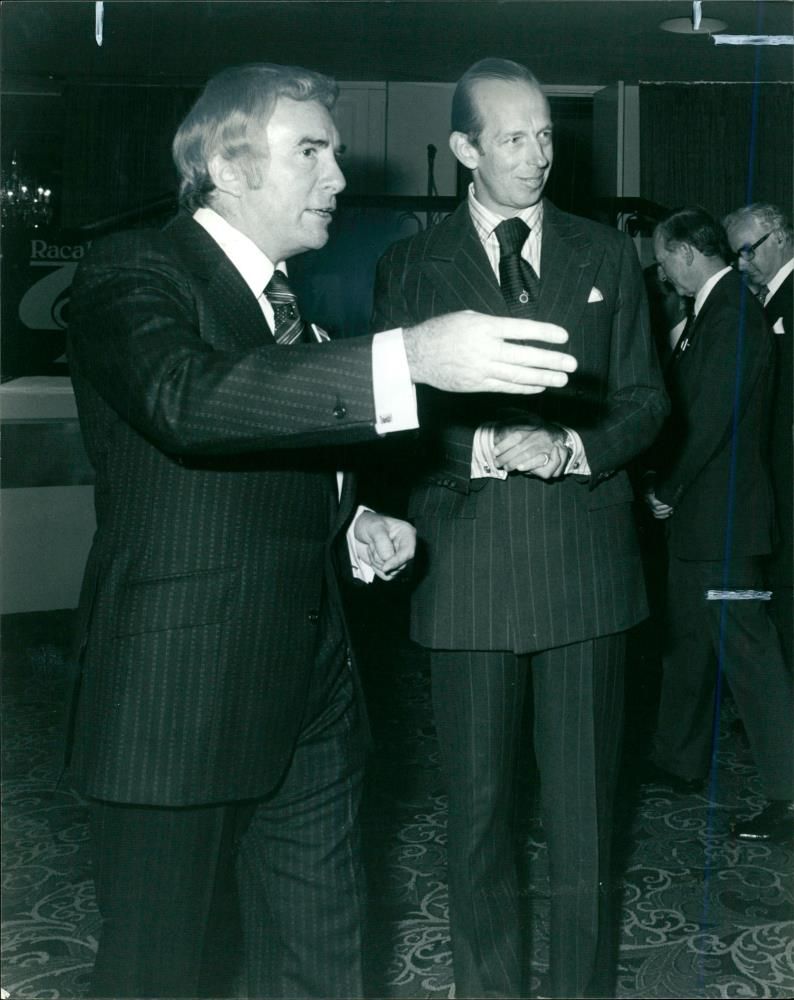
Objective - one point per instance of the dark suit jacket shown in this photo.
(712, 457)
(216, 503)
(524, 564)
(780, 313)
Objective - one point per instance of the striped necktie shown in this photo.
(288, 323)
(519, 281)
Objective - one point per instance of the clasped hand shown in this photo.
(537, 449)
(386, 543)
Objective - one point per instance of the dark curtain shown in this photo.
(117, 155)
(716, 145)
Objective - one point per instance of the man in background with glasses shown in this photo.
(711, 484)
(762, 238)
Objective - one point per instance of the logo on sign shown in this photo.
(43, 306)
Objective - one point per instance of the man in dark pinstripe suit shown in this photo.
(217, 706)
(526, 513)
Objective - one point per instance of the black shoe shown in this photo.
(652, 774)
(775, 823)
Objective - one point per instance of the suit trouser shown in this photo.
(738, 639)
(478, 700)
(162, 873)
(781, 611)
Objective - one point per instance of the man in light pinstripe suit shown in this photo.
(217, 702)
(526, 514)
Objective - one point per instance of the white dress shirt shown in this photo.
(778, 280)
(705, 290)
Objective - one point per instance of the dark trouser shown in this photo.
(578, 703)
(781, 611)
(161, 873)
(738, 639)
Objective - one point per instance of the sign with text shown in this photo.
(37, 272)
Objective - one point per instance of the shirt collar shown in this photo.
(705, 290)
(485, 221)
(255, 267)
(779, 278)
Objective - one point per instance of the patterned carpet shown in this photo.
(701, 915)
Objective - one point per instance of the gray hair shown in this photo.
(771, 217)
(219, 121)
(694, 225)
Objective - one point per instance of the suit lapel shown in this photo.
(568, 265)
(242, 320)
(688, 363)
(458, 268)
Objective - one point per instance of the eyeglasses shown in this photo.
(747, 253)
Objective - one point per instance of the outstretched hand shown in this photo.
(471, 352)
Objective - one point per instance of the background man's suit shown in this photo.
(523, 566)
(779, 309)
(210, 580)
(712, 466)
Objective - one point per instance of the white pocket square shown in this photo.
(595, 295)
(778, 327)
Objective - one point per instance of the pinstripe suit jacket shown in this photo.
(524, 564)
(216, 503)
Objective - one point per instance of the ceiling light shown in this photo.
(684, 26)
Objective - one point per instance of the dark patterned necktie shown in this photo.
(520, 284)
(685, 339)
(288, 323)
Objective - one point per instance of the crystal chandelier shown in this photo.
(23, 203)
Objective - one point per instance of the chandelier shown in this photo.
(23, 202)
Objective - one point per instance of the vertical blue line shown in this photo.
(728, 548)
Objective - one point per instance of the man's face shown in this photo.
(290, 210)
(768, 257)
(674, 267)
(512, 159)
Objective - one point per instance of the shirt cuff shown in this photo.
(577, 463)
(483, 464)
(360, 567)
(392, 388)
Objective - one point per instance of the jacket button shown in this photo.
(313, 617)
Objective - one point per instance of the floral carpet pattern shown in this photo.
(701, 915)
